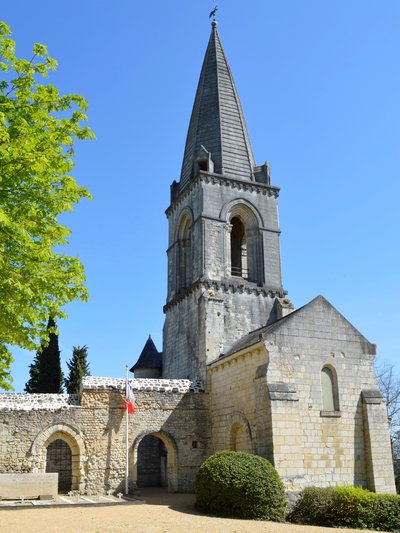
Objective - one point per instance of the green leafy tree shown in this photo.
(46, 374)
(78, 367)
(38, 129)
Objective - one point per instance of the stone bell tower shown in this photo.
(224, 269)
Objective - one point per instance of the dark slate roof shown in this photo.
(149, 358)
(217, 120)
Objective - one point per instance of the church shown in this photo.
(240, 368)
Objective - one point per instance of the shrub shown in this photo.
(347, 507)
(313, 506)
(240, 485)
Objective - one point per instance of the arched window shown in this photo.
(238, 249)
(329, 390)
(245, 256)
(184, 254)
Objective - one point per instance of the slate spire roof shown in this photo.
(149, 358)
(217, 122)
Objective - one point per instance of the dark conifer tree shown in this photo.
(32, 385)
(78, 367)
(46, 374)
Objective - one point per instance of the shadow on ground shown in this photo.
(184, 503)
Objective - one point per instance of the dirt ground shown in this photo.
(162, 513)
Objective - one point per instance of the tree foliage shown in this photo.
(78, 367)
(32, 385)
(38, 129)
(46, 375)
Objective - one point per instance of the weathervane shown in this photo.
(213, 13)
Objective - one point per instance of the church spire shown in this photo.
(217, 126)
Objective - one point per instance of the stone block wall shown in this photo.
(275, 387)
(235, 402)
(175, 411)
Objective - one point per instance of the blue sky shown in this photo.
(319, 83)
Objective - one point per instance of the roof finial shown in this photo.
(213, 14)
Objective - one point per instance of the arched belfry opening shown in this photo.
(246, 247)
(238, 249)
(184, 253)
(59, 461)
(153, 461)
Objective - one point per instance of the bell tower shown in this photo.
(224, 269)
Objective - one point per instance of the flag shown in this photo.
(129, 398)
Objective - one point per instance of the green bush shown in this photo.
(240, 485)
(347, 507)
(313, 507)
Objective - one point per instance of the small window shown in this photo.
(329, 390)
(203, 164)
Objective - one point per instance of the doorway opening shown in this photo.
(59, 460)
(152, 463)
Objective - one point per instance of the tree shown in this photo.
(78, 368)
(38, 129)
(46, 374)
(389, 384)
(32, 385)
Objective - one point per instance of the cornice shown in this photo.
(222, 181)
(226, 285)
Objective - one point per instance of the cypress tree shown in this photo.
(32, 385)
(78, 367)
(46, 374)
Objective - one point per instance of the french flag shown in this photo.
(129, 398)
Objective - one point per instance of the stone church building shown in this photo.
(240, 369)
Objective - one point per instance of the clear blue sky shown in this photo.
(320, 87)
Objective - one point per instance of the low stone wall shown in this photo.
(175, 411)
(27, 486)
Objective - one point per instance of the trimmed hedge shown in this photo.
(240, 485)
(347, 507)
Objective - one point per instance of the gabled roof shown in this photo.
(217, 122)
(149, 358)
(262, 333)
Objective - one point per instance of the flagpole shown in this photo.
(126, 435)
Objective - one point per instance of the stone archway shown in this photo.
(160, 448)
(240, 434)
(59, 460)
(74, 441)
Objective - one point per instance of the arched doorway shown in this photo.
(59, 460)
(69, 437)
(153, 462)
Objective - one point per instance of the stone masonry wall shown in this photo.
(174, 410)
(273, 388)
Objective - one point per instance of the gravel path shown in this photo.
(162, 513)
